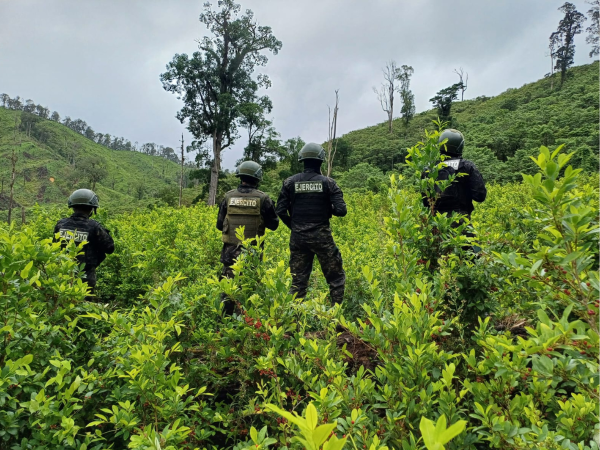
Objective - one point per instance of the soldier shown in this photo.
(245, 206)
(468, 185)
(79, 228)
(306, 203)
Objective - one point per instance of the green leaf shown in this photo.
(454, 430)
(321, 433)
(312, 417)
(254, 435)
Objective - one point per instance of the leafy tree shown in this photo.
(289, 155)
(443, 100)
(406, 96)
(594, 29)
(564, 38)
(94, 168)
(4, 98)
(55, 116)
(29, 106)
(263, 146)
(217, 78)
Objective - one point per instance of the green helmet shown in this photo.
(311, 151)
(249, 169)
(83, 197)
(455, 144)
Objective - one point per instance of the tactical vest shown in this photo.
(456, 196)
(243, 209)
(311, 202)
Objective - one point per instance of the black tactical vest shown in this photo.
(456, 196)
(243, 209)
(310, 198)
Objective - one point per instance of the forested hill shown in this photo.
(502, 131)
(53, 160)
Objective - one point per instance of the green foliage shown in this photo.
(501, 132)
(433, 348)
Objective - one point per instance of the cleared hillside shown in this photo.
(53, 160)
(501, 131)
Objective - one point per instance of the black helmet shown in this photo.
(455, 144)
(249, 169)
(83, 197)
(311, 151)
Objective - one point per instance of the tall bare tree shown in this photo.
(464, 79)
(181, 177)
(332, 143)
(13, 173)
(593, 37)
(385, 94)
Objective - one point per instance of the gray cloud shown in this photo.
(100, 60)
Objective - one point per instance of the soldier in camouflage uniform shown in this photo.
(79, 227)
(245, 206)
(306, 203)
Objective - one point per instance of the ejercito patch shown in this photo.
(306, 187)
(452, 163)
(77, 236)
(241, 201)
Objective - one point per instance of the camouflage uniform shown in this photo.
(231, 250)
(306, 203)
(80, 227)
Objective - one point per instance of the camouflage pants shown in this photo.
(303, 248)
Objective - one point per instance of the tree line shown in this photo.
(32, 114)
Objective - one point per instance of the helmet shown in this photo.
(250, 169)
(83, 197)
(311, 151)
(455, 144)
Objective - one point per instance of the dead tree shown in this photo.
(332, 143)
(181, 177)
(385, 94)
(464, 79)
(13, 173)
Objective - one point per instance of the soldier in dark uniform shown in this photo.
(468, 185)
(79, 228)
(245, 206)
(306, 203)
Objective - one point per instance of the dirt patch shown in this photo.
(362, 353)
(5, 201)
(41, 192)
(513, 323)
(43, 172)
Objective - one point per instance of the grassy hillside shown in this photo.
(51, 164)
(500, 131)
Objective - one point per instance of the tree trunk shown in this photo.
(214, 171)
(181, 177)
(391, 112)
(12, 184)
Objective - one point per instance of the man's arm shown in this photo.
(267, 210)
(338, 205)
(283, 206)
(476, 184)
(107, 244)
(222, 214)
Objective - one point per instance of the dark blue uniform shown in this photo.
(81, 228)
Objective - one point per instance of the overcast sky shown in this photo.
(100, 60)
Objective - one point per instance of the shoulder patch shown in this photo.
(452, 163)
(75, 235)
(307, 187)
(243, 201)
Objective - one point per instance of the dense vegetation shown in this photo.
(441, 348)
(53, 160)
(501, 132)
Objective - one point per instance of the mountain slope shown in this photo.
(500, 132)
(53, 160)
